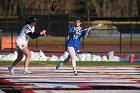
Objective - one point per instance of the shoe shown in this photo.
(27, 72)
(60, 63)
(11, 70)
(75, 73)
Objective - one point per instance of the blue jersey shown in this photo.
(74, 39)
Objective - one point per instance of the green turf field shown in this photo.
(79, 63)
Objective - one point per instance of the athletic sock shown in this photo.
(11, 67)
(26, 69)
(74, 69)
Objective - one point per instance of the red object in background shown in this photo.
(131, 59)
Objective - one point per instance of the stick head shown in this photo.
(54, 5)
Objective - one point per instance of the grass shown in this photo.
(79, 63)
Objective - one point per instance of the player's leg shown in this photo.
(66, 60)
(18, 59)
(62, 62)
(73, 59)
(27, 54)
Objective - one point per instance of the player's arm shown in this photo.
(87, 32)
(35, 34)
(89, 28)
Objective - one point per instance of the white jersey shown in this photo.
(23, 38)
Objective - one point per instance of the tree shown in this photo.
(88, 8)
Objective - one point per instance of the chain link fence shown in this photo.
(121, 35)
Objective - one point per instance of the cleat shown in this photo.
(60, 63)
(75, 73)
(11, 70)
(27, 72)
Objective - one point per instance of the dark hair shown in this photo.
(30, 19)
(77, 18)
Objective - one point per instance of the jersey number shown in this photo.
(75, 37)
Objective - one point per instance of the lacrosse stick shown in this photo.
(53, 7)
(99, 25)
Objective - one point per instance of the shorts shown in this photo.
(20, 46)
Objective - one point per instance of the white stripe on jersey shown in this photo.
(28, 30)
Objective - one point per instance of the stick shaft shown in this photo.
(93, 27)
(49, 18)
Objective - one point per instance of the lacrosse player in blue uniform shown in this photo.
(73, 43)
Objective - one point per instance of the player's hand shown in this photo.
(43, 33)
(89, 28)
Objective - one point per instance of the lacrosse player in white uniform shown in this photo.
(27, 32)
